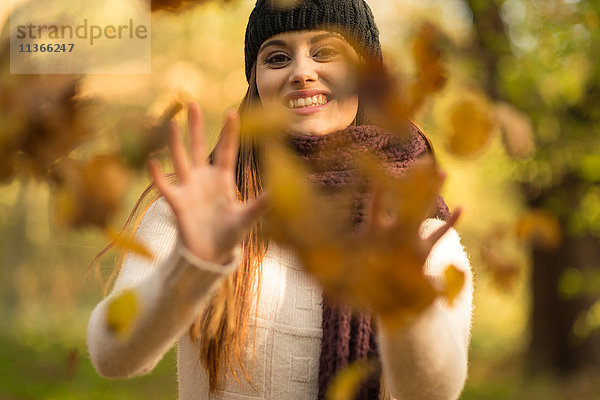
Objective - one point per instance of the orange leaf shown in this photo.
(127, 243)
(540, 228)
(471, 126)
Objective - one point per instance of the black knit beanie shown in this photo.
(353, 19)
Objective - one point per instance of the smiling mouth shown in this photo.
(310, 101)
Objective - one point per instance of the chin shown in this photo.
(315, 129)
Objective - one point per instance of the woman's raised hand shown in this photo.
(210, 218)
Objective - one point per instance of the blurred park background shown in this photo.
(514, 124)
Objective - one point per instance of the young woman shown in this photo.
(248, 321)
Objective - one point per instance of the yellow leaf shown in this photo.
(428, 60)
(471, 126)
(455, 280)
(121, 313)
(346, 383)
(540, 228)
(416, 192)
(127, 243)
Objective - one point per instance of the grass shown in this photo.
(51, 363)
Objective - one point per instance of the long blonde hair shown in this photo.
(222, 329)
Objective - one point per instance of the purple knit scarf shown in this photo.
(349, 336)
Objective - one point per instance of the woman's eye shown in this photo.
(277, 59)
(326, 52)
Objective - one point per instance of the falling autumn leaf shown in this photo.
(346, 383)
(540, 228)
(471, 126)
(517, 130)
(141, 135)
(43, 120)
(380, 271)
(88, 193)
(128, 244)
(121, 313)
(262, 123)
(383, 95)
(455, 280)
(431, 73)
(505, 272)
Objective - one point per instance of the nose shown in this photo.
(303, 71)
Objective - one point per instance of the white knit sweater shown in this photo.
(425, 360)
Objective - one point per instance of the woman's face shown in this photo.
(307, 75)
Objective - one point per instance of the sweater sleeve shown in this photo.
(169, 292)
(427, 360)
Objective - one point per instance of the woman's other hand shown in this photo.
(210, 219)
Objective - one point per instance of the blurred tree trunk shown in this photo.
(552, 345)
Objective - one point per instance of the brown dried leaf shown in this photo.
(380, 271)
(382, 94)
(431, 73)
(503, 267)
(90, 193)
(416, 192)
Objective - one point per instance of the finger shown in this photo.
(197, 140)
(159, 179)
(254, 210)
(438, 233)
(226, 154)
(180, 160)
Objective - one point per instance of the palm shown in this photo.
(210, 218)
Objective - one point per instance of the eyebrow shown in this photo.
(323, 36)
(314, 39)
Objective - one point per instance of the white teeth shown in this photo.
(308, 101)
